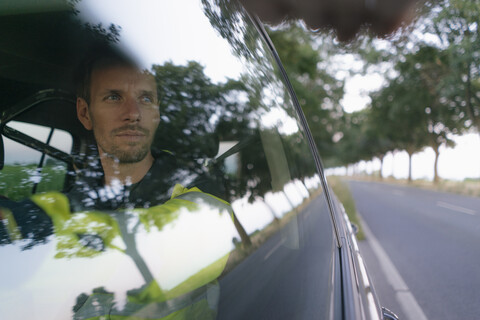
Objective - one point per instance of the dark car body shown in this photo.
(262, 236)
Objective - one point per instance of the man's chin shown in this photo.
(129, 156)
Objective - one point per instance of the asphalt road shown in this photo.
(288, 277)
(433, 241)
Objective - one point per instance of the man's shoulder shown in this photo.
(164, 160)
(155, 188)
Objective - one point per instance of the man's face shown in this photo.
(123, 112)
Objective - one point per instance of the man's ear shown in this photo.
(83, 114)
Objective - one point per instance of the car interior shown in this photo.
(37, 88)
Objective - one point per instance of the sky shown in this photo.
(457, 163)
(189, 37)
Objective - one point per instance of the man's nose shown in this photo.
(132, 111)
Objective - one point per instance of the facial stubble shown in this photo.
(127, 154)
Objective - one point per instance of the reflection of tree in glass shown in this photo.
(232, 22)
(90, 234)
(301, 166)
(110, 34)
(194, 110)
(99, 300)
(150, 299)
(233, 111)
(196, 113)
(318, 91)
(190, 107)
(228, 18)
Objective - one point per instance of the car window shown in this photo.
(27, 171)
(228, 221)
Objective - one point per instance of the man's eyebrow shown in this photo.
(105, 91)
(147, 92)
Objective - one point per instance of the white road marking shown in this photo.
(404, 296)
(273, 250)
(455, 208)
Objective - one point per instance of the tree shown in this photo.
(413, 106)
(456, 25)
(351, 148)
(189, 101)
(400, 116)
(378, 140)
(429, 65)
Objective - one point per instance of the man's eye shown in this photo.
(112, 97)
(146, 99)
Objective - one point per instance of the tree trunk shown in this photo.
(131, 247)
(308, 191)
(436, 178)
(393, 164)
(241, 231)
(382, 157)
(410, 154)
(289, 201)
(275, 218)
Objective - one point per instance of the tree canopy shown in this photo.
(431, 88)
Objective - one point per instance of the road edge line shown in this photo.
(404, 296)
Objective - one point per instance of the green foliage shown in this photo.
(17, 181)
(457, 26)
(432, 85)
(412, 111)
(294, 46)
(188, 100)
(359, 141)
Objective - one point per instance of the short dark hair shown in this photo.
(98, 58)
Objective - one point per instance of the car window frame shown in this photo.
(303, 121)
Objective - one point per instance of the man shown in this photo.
(122, 110)
(118, 102)
(120, 105)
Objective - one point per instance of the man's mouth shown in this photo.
(131, 134)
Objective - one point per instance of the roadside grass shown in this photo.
(468, 187)
(342, 191)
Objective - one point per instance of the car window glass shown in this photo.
(60, 139)
(229, 221)
(24, 171)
